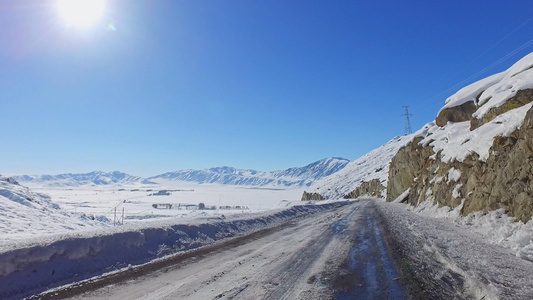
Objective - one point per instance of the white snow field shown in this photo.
(132, 203)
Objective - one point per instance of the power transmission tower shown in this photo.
(407, 127)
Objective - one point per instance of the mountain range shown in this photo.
(92, 178)
(292, 177)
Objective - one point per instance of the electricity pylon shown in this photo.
(407, 127)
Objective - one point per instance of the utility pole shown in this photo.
(407, 127)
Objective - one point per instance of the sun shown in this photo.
(80, 13)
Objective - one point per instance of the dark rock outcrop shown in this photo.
(372, 188)
(405, 167)
(459, 113)
(311, 196)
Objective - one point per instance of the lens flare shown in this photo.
(81, 13)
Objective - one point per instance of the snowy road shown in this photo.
(335, 254)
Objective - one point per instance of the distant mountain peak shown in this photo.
(297, 176)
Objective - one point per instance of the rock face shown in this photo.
(372, 188)
(504, 180)
(311, 196)
(477, 155)
(479, 152)
(459, 113)
(405, 167)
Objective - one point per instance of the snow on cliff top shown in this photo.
(495, 90)
(456, 140)
(25, 213)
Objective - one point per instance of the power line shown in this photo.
(429, 102)
(407, 127)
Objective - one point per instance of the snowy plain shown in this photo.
(106, 204)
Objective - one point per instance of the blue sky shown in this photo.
(261, 85)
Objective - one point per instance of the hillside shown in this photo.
(476, 156)
(292, 177)
(371, 169)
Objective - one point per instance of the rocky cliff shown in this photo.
(311, 196)
(373, 188)
(477, 155)
(479, 151)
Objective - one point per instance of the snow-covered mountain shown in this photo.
(25, 213)
(92, 178)
(302, 176)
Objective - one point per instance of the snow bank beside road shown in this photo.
(495, 227)
(34, 269)
(456, 260)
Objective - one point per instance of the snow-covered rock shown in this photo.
(495, 90)
(485, 158)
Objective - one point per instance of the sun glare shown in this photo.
(80, 13)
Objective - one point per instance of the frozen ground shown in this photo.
(494, 227)
(343, 252)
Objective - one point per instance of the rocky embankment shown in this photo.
(478, 154)
(504, 180)
(372, 188)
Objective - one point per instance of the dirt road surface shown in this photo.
(337, 254)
